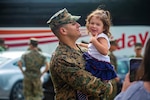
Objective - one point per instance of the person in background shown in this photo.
(113, 47)
(138, 50)
(33, 60)
(140, 89)
(3, 46)
(32, 40)
(97, 60)
(113, 60)
(67, 64)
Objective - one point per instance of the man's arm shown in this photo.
(83, 45)
(21, 63)
(81, 79)
(46, 68)
(20, 66)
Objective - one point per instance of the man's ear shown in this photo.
(62, 30)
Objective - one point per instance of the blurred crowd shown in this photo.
(3, 46)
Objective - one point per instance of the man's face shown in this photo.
(72, 30)
(138, 51)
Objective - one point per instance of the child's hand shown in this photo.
(93, 38)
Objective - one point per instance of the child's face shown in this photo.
(96, 26)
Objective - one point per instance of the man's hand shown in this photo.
(111, 88)
(20, 67)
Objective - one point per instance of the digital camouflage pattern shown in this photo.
(115, 89)
(68, 74)
(32, 88)
(2, 49)
(33, 61)
(113, 60)
(61, 17)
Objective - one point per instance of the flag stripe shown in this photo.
(15, 37)
(27, 37)
(25, 44)
(22, 31)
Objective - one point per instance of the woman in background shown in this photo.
(139, 90)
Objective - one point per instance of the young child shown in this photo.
(97, 59)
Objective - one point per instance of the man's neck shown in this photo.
(70, 43)
(34, 48)
(138, 55)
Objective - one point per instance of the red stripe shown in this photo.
(27, 37)
(26, 44)
(23, 31)
(27, 31)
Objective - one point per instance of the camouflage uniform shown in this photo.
(138, 50)
(113, 60)
(33, 61)
(3, 47)
(68, 73)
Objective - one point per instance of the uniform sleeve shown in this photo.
(23, 59)
(45, 59)
(81, 79)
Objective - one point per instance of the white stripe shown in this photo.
(23, 35)
(82, 30)
(31, 28)
(46, 39)
(32, 35)
(24, 28)
(27, 40)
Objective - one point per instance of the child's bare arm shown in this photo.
(101, 45)
(83, 45)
